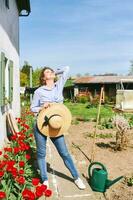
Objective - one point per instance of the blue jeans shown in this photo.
(61, 147)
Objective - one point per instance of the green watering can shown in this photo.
(99, 177)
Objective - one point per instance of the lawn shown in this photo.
(81, 110)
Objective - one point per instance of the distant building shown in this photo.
(9, 58)
(93, 84)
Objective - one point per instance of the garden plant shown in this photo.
(18, 177)
(122, 126)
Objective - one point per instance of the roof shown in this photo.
(103, 79)
(23, 5)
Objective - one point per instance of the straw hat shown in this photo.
(55, 120)
(12, 122)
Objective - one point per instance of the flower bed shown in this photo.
(18, 177)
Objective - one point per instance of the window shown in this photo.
(2, 78)
(6, 80)
(7, 3)
(10, 72)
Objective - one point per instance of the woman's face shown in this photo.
(49, 74)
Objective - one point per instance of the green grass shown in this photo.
(80, 110)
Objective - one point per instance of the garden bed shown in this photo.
(117, 162)
(19, 179)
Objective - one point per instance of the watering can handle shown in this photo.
(96, 163)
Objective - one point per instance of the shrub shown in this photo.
(109, 100)
(131, 121)
(90, 105)
(106, 123)
(95, 100)
(82, 99)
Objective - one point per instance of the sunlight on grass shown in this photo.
(81, 110)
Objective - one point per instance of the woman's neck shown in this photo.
(49, 83)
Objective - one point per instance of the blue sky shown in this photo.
(91, 36)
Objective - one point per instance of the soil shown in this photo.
(118, 163)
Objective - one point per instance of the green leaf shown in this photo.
(3, 183)
(17, 186)
(12, 196)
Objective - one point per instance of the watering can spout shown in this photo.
(111, 182)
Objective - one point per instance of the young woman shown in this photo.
(49, 92)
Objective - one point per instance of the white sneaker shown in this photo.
(46, 183)
(80, 184)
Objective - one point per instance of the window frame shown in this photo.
(6, 90)
(10, 79)
(2, 78)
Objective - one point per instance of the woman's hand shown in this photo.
(46, 105)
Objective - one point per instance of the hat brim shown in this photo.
(59, 109)
(12, 122)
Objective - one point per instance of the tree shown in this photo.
(131, 68)
(23, 79)
(26, 68)
(35, 76)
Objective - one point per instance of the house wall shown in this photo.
(9, 45)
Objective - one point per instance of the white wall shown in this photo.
(9, 44)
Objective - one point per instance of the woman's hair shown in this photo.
(42, 81)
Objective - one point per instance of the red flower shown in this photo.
(19, 120)
(2, 195)
(23, 131)
(11, 163)
(35, 181)
(6, 156)
(44, 187)
(10, 166)
(0, 152)
(8, 149)
(12, 170)
(9, 169)
(20, 180)
(27, 147)
(23, 146)
(26, 126)
(21, 171)
(14, 174)
(31, 135)
(48, 193)
(1, 173)
(19, 133)
(21, 164)
(27, 156)
(16, 150)
(39, 191)
(13, 137)
(28, 195)
(2, 164)
(22, 124)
